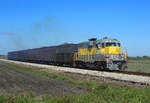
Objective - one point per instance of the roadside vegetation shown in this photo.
(97, 92)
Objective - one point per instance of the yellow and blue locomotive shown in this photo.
(99, 54)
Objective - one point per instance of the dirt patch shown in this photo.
(16, 81)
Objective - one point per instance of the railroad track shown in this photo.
(133, 73)
(119, 72)
(126, 76)
(114, 71)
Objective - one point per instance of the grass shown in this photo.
(140, 65)
(3, 57)
(99, 93)
(4, 98)
(103, 93)
(43, 73)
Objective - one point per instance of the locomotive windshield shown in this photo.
(112, 44)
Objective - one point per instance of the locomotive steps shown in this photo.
(112, 75)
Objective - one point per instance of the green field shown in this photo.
(139, 64)
(97, 92)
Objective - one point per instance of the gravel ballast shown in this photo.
(116, 76)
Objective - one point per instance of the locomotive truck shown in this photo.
(103, 54)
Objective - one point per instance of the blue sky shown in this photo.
(36, 23)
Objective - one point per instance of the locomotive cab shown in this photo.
(112, 48)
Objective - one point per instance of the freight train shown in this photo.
(103, 54)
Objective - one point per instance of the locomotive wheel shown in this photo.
(124, 67)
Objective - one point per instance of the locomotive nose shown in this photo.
(117, 50)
